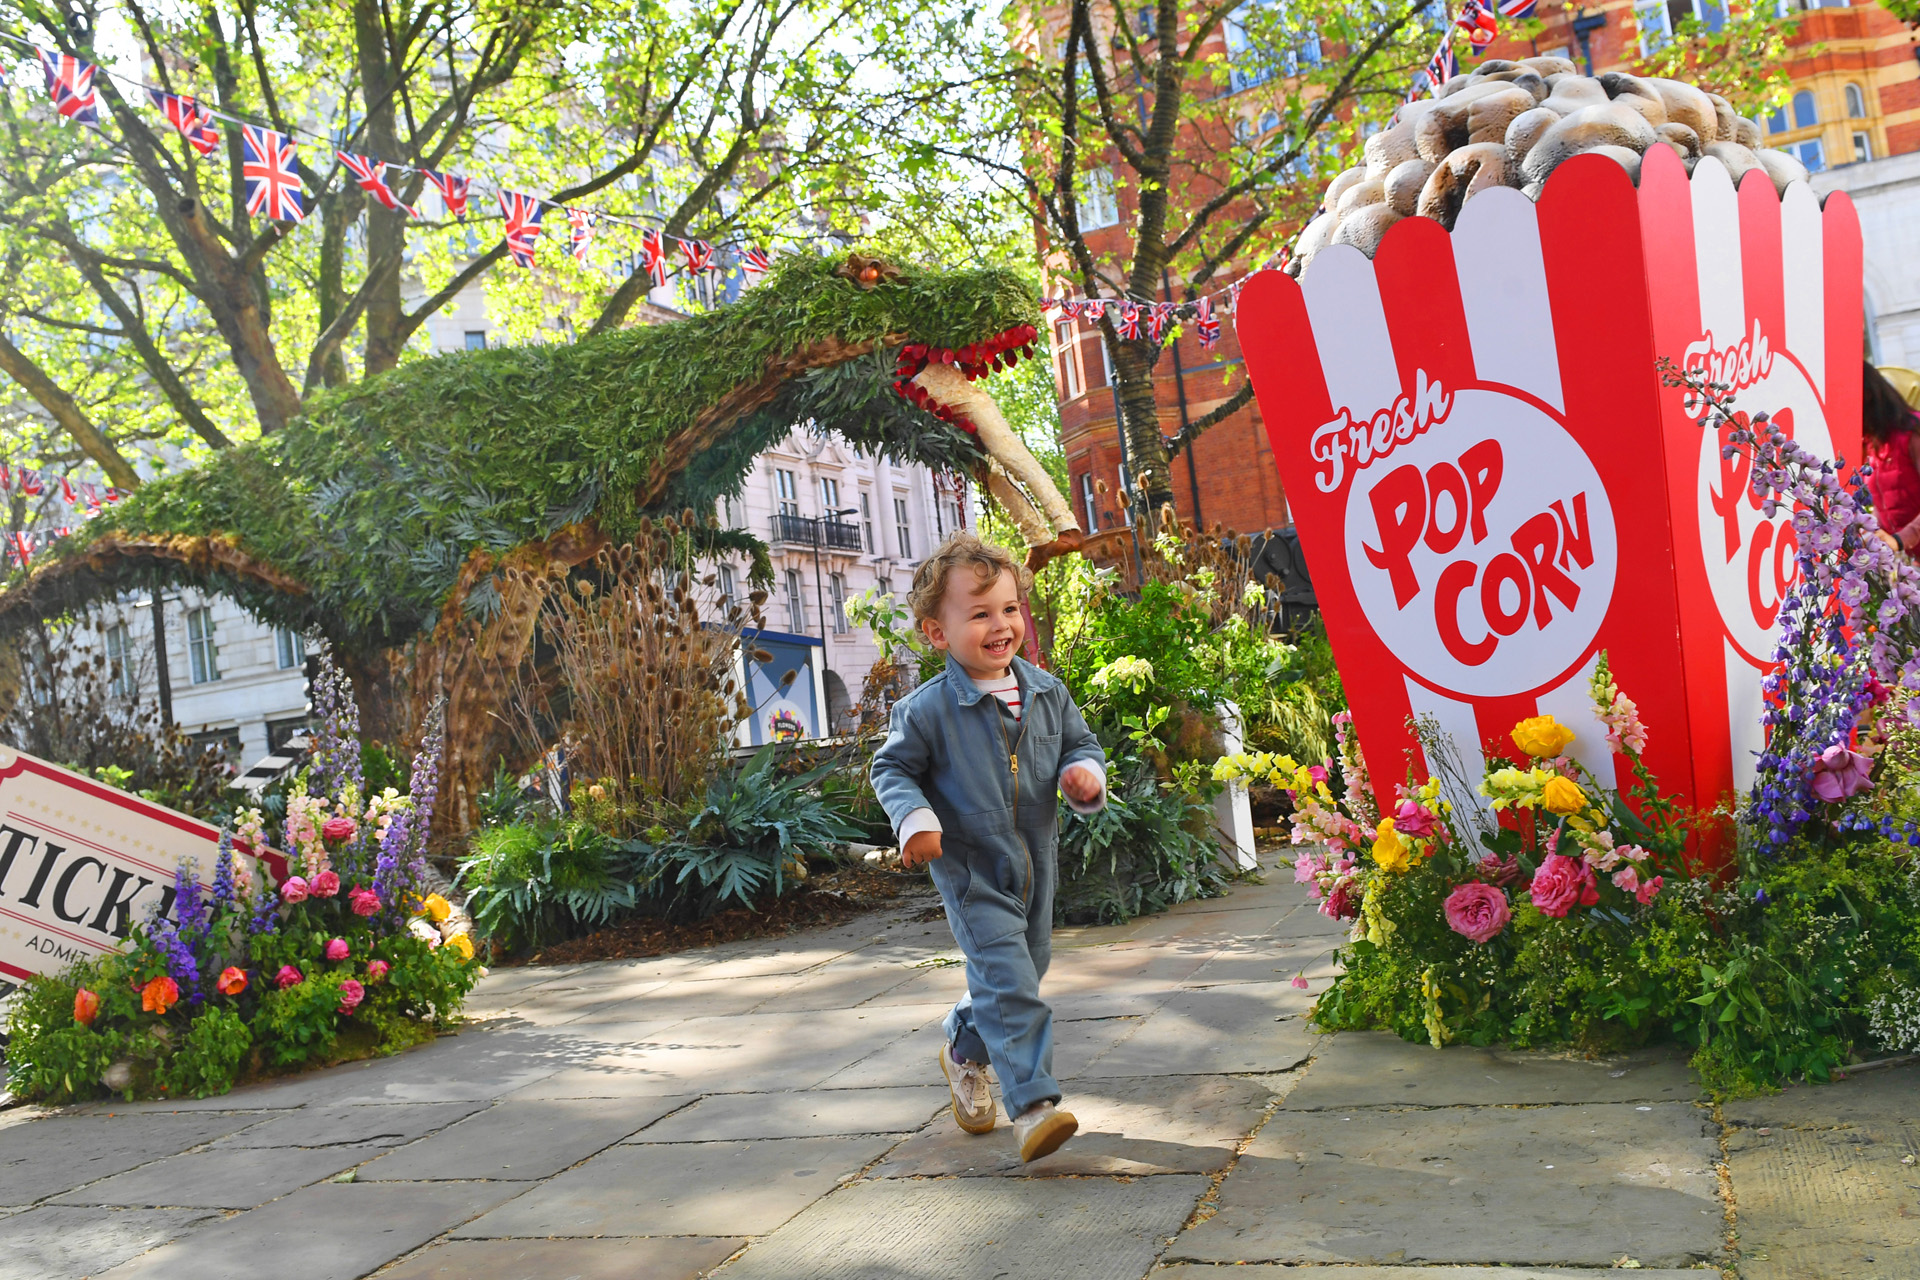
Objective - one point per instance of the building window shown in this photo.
(1856, 103)
(727, 588)
(1805, 116)
(837, 598)
(884, 586)
(1777, 122)
(1862, 148)
(120, 662)
(1087, 502)
(289, 648)
(829, 495)
(476, 339)
(902, 528)
(786, 492)
(1658, 19)
(1097, 206)
(956, 516)
(203, 654)
(1809, 153)
(796, 604)
(1106, 363)
(866, 519)
(1068, 347)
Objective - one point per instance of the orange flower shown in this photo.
(159, 995)
(232, 981)
(86, 1007)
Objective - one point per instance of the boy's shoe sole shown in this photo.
(1047, 1136)
(976, 1126)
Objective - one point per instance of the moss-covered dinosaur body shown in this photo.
(359, 519)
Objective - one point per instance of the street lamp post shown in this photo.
(819, 590)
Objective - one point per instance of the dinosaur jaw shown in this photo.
(972, 362)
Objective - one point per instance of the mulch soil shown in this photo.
(827, 898)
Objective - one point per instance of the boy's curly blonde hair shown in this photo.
(962, 550)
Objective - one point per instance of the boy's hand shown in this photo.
(923, 847)
(1081, 784)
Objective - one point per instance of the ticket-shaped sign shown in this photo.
(80, 862)
(1488, 477)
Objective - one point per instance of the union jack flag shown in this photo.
(523, 213)
(1443, 65)
(698, 253)
(1092, 310)
(1478, 22)
(67, 494)
(31, 484)
(20, 544)
(113, 495)
(6, 477)
(187, 115)
(371, 177)
(1157, 316)
(1517, 9)
(1206, 322)
(580, 232)
(1129, 321)
(70, 86)
(453, 190)
(755, 262)
(273, 187)
(653, 256)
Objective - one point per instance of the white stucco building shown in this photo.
(1887, 194)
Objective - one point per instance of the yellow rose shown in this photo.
(1563, 795)
(1389, 850)
(1542, 737)
(436, 907)
(463, 944)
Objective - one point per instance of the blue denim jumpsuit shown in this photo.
(993, 783)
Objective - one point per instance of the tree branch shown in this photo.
(66, 412)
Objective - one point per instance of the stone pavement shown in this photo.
(774, 1109)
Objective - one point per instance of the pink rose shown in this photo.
(1561, 884)
(294, 890)
(1411, 819)
(1340, 904)
(337, 950)
(1840, 773)
(325, 885)
(337, 829)
(288, 977)
(1649, 888)
(1478, 911)
(351, 994)
(364, 902)
(1317, 772)
(377, 970)
(1497, 870)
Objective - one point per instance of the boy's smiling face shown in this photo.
(979, 623)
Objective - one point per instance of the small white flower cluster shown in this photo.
(1894, 1019)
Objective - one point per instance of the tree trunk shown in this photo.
(162, 676)
(1140, 419)
(386, 228)
(63, 409)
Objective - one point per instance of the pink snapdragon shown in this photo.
(1839, 773)
(1561, 884)
(1477, 911)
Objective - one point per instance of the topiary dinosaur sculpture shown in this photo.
(387, 516)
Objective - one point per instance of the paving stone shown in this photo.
(520, 1140)
(58, 1153)
(477, 1065)
(683, 998)
(1079, 1006)
(1152, 1126)
(926, 984)
(222, 1178)
(1819, 1184)
(1547, 1186)
(727, 1117)
(711, 1188)
(1078, 1045)
(605, 1071)
(1124, 968)
(58, 1243)
(1241, 1028)
(334, 1231)
(1259, 1270)
(978, 1229)
(903, 1060)
(1376, 1068)
(1267, 961)
(630, 1258)
(388, 1125)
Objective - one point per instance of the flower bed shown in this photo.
(1536, 906)
(346, 957)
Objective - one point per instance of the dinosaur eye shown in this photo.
(869, 274)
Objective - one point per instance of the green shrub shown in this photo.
(1151, 847)
(540, 881)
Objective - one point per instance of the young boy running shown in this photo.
(967, 776)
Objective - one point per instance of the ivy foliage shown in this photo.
(377, 496)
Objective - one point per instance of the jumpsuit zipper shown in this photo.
(1013, 770)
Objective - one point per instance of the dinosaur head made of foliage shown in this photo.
(362, 518)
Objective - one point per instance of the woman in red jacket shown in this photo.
(1892, 439)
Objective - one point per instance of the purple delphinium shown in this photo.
(407, 836)
(1848, 626)
(336, 750)
(175, 938)
(224, 894)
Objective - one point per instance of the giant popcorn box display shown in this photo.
(1492, 484)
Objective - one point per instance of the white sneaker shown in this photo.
(1042, 1128)
(973, 1108)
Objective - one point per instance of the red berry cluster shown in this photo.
(974, 361)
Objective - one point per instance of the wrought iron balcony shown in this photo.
(807, 531)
